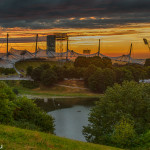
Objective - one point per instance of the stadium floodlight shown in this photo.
(146, 42)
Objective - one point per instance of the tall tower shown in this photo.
(7, 45)
(99, 47)
(131, 47)
(36, 49)
(51, 43)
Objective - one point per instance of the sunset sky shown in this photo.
(116, 22)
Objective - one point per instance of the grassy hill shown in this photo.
(19, 139)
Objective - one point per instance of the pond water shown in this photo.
(70, 114)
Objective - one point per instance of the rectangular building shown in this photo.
(87, 52)
(51, 43)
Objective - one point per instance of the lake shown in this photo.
(70, 114)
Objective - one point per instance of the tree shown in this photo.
(109, 77)
(29, 70)
(148, 72)
(96, 81)
(96, 61)
(101, 79)
(59, 71)
(147, 62)
(107, 62)
(49, 77)
(81, 62)
(36, 74)
(88, 73)
(123, 74)
(124, 134)
(131, 101)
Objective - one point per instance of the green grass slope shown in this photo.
(19, 139)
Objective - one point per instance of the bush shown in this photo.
(131, 100)
(29, 84)
(7, 71)
(6, 111)
(25, 125)
(6, 92)
(15, 91)
(6, 104)
(28, 111)
(143, 143)
(22, 112)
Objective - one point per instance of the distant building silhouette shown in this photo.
(51, 43)
(86, 52)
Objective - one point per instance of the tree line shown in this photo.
(97, 73)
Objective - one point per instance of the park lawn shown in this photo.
(13, 138)
(57, 91)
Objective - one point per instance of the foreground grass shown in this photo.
(19, 139)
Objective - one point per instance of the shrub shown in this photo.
(15, 91)
(29, 84)
(6, 111)
(7, 71)
(22, 112)
(6, 104)
(28, 111)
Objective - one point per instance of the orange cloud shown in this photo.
(92, 18)
(71, 18)
(82, 18)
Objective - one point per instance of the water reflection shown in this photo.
(70, 115)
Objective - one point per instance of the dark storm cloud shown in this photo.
(46, 13)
